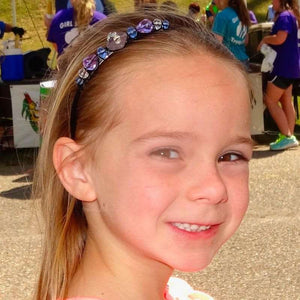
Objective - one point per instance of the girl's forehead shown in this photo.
(211, 71)
(188, 80)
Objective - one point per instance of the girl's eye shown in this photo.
(231, 157)
(166, 153)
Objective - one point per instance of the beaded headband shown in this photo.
(115, 41)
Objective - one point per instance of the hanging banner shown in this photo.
(25, 107)
(257, 105)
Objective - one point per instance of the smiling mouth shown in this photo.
(191, 227)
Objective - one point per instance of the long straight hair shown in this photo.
(240, 8)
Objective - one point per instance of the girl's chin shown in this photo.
(192, 265)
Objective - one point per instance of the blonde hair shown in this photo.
(84, 10)
(65, 222)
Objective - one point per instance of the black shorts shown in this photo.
(281, 82)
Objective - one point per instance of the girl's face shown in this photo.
(172, 178)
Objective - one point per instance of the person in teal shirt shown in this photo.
(231, 27)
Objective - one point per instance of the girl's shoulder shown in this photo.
(286, 14)
(227, 13)
(83, 298)
(176, 288)
(285, 20)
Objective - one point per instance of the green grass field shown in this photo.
(30, 16)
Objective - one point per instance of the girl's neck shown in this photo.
(115, 276)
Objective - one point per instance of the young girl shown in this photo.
(143, 167)
(284, 40)
(231, 27)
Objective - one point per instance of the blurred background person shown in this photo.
(231, 27)
(278, 96)
(68, 23)
(211, 10)
(270, 13)
(5, 27)
(104, 6)
(252, 17)
(194, 11)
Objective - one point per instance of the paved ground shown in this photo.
(262, 260)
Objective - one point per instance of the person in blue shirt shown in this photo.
(270, 13)
(231, 27)
(5, 27)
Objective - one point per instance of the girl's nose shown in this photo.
(207, 185)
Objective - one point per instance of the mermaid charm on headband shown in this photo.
(117, 41)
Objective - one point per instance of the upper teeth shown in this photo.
(190, 227)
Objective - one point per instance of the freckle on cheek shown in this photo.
(103, 205)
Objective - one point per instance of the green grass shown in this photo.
(32, 21)
(260, 8)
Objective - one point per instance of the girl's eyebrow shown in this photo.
(163, 134)
(243, 140)
(186, 135)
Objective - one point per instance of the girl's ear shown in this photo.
(71, 169)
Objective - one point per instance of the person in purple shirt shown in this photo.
(284, 40)
(68, 23)
(252, 17)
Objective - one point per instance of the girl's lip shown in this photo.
(196, 223)
(209, 230)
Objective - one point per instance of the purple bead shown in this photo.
(145, 26)
(91, 62)
(116, 40)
